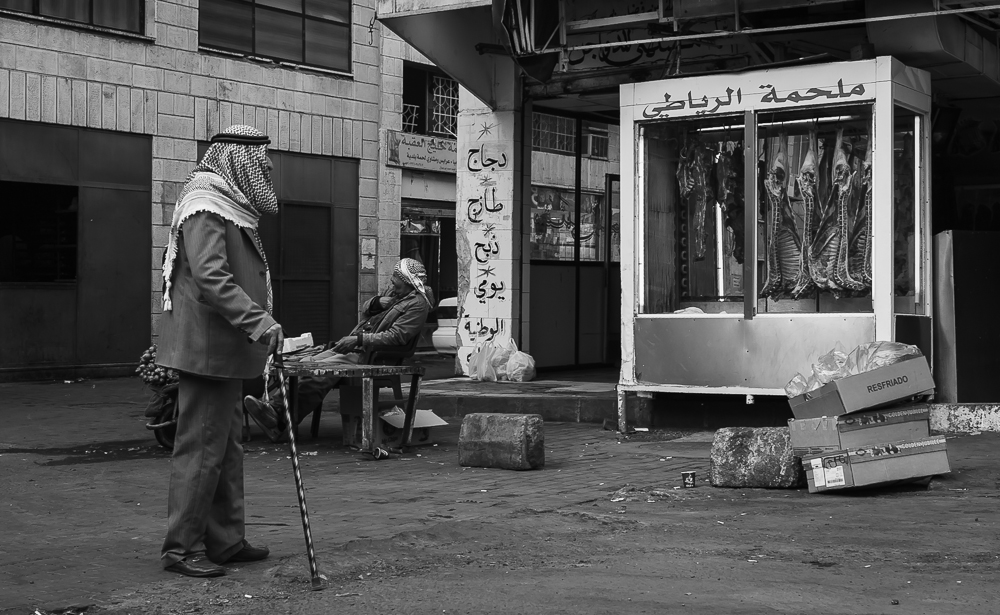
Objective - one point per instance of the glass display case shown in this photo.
(775, 215)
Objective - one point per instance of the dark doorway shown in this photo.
(75, 246)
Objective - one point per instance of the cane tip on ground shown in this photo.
(319, 583)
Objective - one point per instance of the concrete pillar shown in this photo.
(488, 218)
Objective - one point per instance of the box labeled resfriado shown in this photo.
(879, 465)
(872, 389)
(834, 433)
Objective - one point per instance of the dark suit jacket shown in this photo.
(218, 292)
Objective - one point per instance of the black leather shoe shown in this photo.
(196, 566)
(250, 553)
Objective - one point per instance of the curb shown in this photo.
(965, 418)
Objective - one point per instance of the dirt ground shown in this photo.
(604, 528)
(686, 553)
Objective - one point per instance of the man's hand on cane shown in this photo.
(274, 338)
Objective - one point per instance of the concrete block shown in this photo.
(755, 457)
(79, 103)
(965, 418)
(64, 101)
(32, 97)
(507, 441)
(4, 92)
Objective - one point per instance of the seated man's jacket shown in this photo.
(392, 326)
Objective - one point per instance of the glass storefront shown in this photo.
(814, 223)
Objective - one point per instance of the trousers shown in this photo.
(205, 512)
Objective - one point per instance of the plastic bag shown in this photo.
(500, 358)
(796, 386)
(480, 365)
(830, 366)
(881, 354)
(520, 366)
(838, 364)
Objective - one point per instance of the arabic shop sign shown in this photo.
(413, 151)
(623, 51)
(692, 104)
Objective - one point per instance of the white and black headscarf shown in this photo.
(232, 181)
(413, 273)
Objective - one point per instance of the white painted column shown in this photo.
(488, 225)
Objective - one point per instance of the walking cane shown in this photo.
(318, 581)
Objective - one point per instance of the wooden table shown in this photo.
(369, 395)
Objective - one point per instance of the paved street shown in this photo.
(83, 487)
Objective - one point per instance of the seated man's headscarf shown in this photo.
(413, 273)
(232, 181)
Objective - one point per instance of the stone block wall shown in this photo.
(162, 84)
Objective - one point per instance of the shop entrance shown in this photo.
(575, 280)
(427, 234)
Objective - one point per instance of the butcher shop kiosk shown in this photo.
(774, 214)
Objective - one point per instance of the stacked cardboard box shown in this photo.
(861, 431)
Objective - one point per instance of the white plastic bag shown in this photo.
(501, 356)
(520, 366)
(480, 364)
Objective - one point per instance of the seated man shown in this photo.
(389, 320)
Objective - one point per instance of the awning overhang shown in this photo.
(458, 37)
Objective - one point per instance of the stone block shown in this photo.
(507, 441)
(755, 457)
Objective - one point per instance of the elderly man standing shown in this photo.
(216, 330)
(391, 319)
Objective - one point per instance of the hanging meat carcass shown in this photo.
(730, 195)
(783, 242)
(844, 184)
(693, 170)
(806, 182)
(860, 262)
(828, 252)
(826, 241)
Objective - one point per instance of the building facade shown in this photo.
(105, 108)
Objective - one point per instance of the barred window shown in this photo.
(430, 102)
(311, 32)
(444, 106)
(124, 15)
(411, 118)
(553, 133)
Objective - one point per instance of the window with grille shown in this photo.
(38, 231)
(553, 133)
(124, 15)
(430, 101)
(444, 106)
(310, 32)
(411, 118)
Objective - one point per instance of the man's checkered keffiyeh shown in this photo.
(413, 273)
(243, 170)
(232, 181)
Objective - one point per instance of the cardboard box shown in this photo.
(389, 428)
(834, 433)
(873, 389)
(880, 465)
